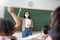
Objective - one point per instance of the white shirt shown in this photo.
(27, 23)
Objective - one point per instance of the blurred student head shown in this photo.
(55, 23)
(45, 29)
(6, 27)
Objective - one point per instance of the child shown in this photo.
(7, 28)
(40, 36)
(27, 24)
(45, 31)
(55, 24)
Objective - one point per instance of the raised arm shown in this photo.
(17, 21)
(18, 15)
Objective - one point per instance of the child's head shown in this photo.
(55, 23)
(6, 26)
(27, 15)
(45, 29)
(55, 16)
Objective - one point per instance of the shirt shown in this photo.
(27, 23)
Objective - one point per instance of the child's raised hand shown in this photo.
(10, 9)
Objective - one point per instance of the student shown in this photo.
(50, 31)
(27, 24)
(7, 28)
(45, 31)
(40, 36)
(55, 24)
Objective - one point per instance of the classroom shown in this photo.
(30, 18)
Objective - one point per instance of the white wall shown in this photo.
(38, 4)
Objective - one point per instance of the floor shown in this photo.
(19, 34)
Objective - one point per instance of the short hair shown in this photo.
(45, 29)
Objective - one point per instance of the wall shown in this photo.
(38, 4)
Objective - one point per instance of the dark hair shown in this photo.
(56, 23)
(45, 29)
(6, 26)
(28, 13)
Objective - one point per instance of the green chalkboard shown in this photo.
(39, 17)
